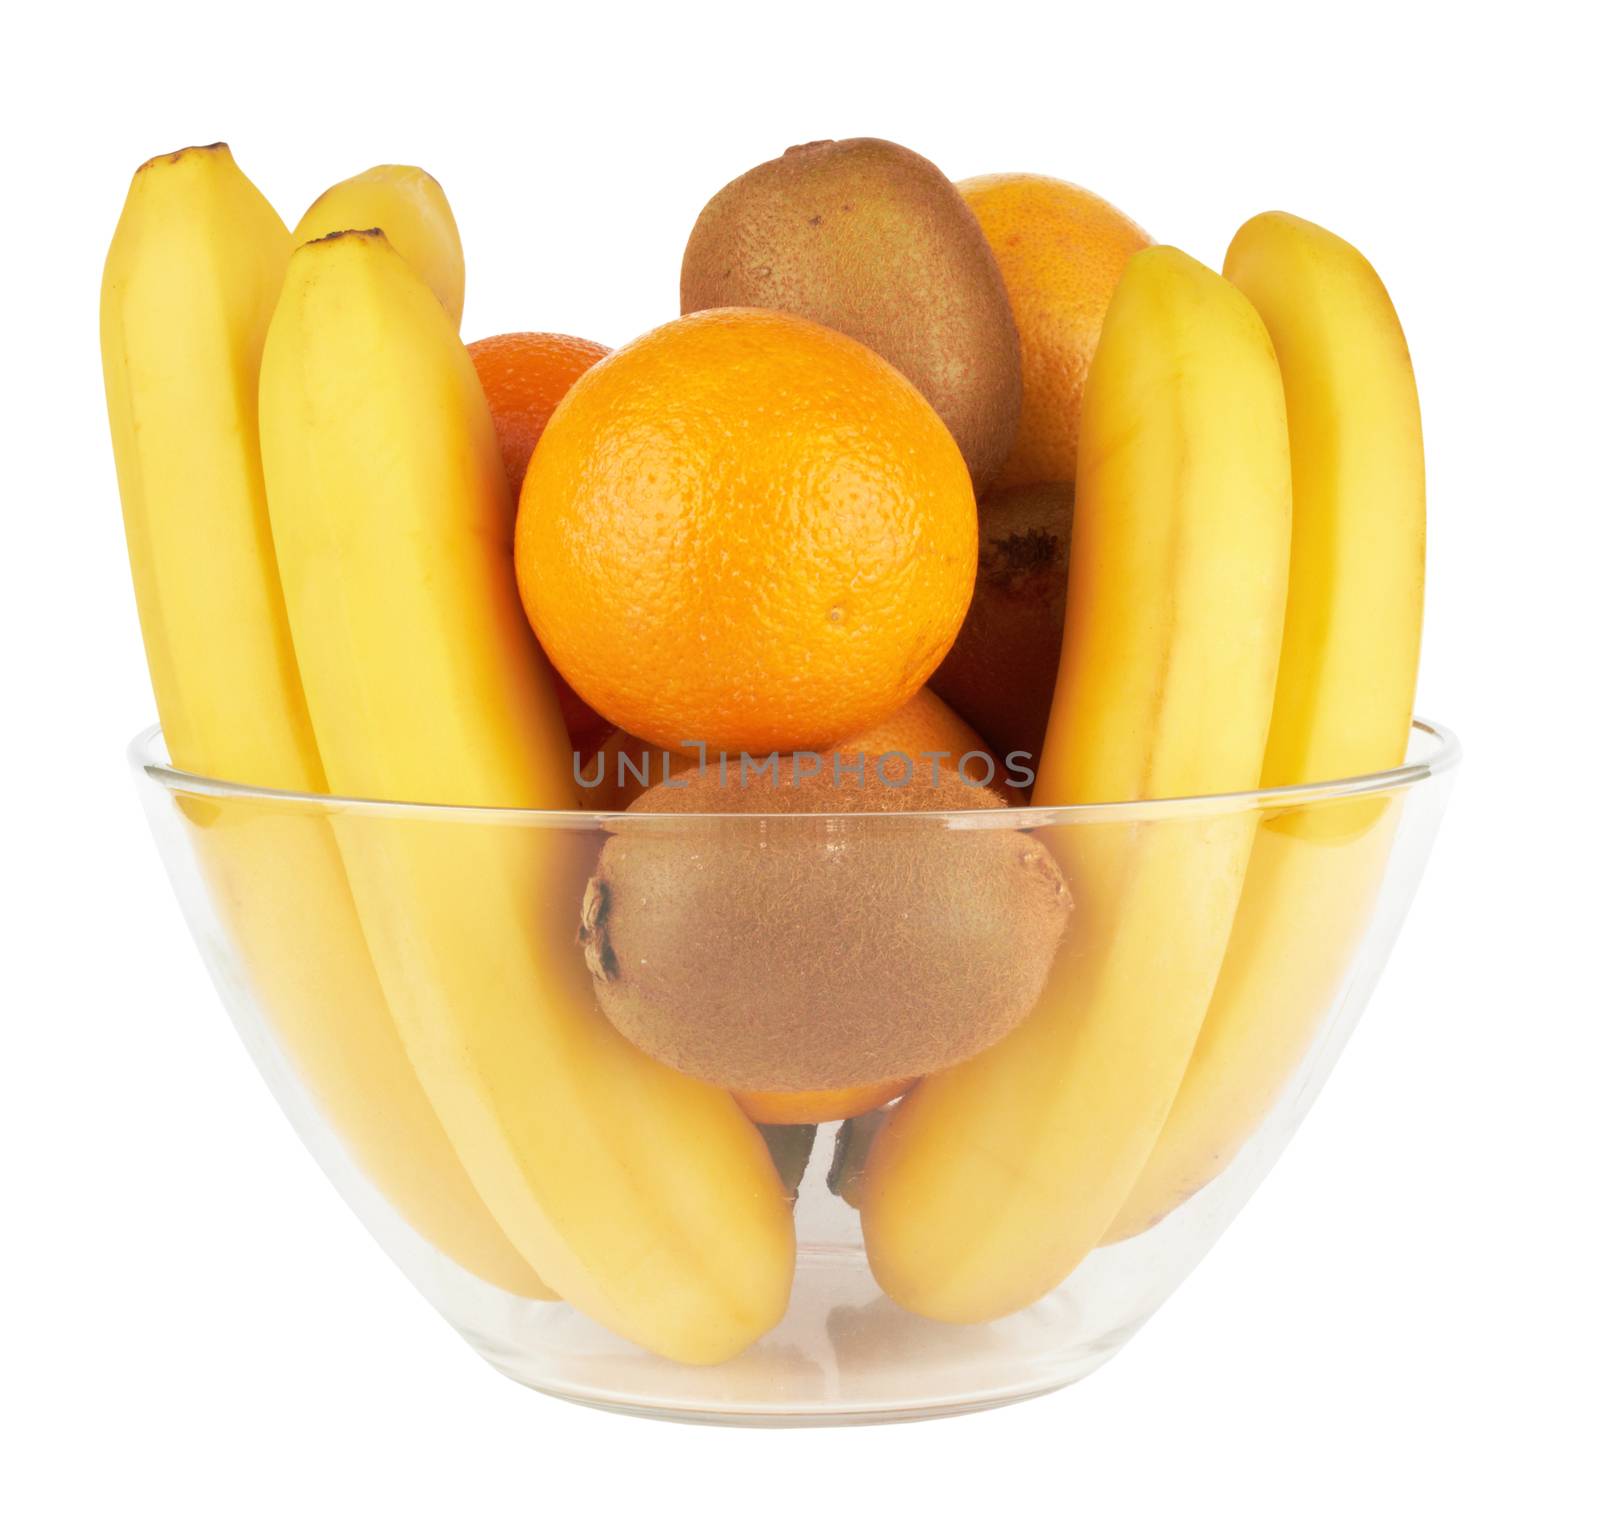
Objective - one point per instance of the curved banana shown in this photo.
(1343, 707)
(990, 1182)
(191, 279)
(645, 1197)
(409, 205)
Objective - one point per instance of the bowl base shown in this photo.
(842, 1355)
(878, 1418)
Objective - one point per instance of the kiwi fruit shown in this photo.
(1000, 673)
(871, 239)
(818, 951)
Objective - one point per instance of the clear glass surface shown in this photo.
(264, 882)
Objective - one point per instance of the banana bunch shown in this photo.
(319, 527)
(1346, 678)
(191, 281)
(1250, 470)
(993, 1180)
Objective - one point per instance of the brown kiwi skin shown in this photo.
(872, 239)
(1000, 673)
(819, 952)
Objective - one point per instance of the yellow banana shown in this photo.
(990, 1182)
(1343, 706)
(194, 270)
(645, 1197)
(190, 281)
(1354, 627)
(409, 205)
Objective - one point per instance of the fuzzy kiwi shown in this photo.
(819, 952)
(871, 239)
(1000, 674)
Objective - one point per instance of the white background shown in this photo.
(1400, 1327)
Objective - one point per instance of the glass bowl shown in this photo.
(421, 988)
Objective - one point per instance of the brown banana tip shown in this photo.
(347, 233)
(177, 154)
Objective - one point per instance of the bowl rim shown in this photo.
(1436, 750)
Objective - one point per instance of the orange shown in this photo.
(817, 1108)
(524, 376)
(1061, 251)
(746, 530)
(925, 724)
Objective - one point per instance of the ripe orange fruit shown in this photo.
(746, 530)
(817, 1108)
(1061, 251)
(524, 376)
(925, 724)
